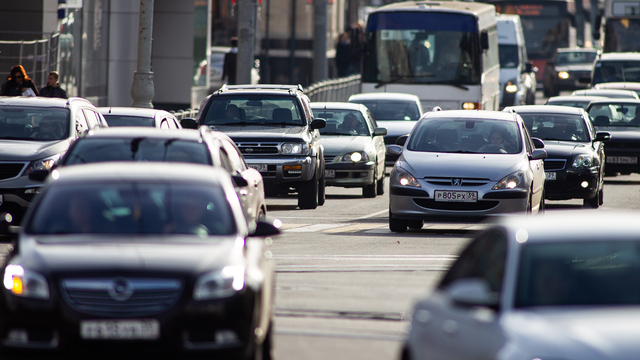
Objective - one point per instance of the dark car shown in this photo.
(568, 69)
(154, 145)
(276, 132)
(125, 258)
(574, 167)
(130, 116)
(621, 118)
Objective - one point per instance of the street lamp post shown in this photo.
(142, 90)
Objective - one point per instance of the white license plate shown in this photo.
(329, 174)
(148, 329)
(550, 175)
(259, 167)
(456, 196)
(622, 159)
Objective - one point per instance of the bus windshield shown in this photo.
(621, 35)
(422, 48)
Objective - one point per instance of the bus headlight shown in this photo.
(563, 75)
(511, 87)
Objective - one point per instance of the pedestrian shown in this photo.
(357, 47)
(53, 89)
(19, 84)
(343, 55)
(229, 66)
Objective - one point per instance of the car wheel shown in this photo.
(322, 191)
(369, 191)
(397, 225)
(592, 203)
(415, 224)
(380, 188)
(308, 193)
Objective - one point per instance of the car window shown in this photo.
(484, 258)
(81, 123)
(576, 57)
(572, 103)
(561, 127)
(466, 136)
(23, 123)
(133, 208)
(343, 122)
(390, 110)
(508, 56)
(125, 120)
(92, 118)
(264, 110)
(616, 71)
(615, 114)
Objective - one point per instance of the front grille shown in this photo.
(10, 170)
(554, 164)
(455, 206)
(111, 297)
(258, 148)
(448, 181)
(329, 159)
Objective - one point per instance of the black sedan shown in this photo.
(621, 118)
(574, 167)
(132, 257)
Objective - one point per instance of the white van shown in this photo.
(517, 77)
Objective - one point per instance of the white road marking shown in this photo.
(374, 214)
(368, 257)
(315, 228)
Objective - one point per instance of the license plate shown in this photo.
(456, 196)
(259, 167)
(329, 174)
(622, 159)
(120, 329)
(550, 175)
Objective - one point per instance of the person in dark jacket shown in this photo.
(19, 83)
(343, 55)
(53, 89)
(229, 66)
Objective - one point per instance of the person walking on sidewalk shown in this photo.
(19, 84)
(53, 89)
(229, 66)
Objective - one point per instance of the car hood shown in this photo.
(581, 333)
(339, 145)
(86, 254)
(25, 150)
(574, 67)
(251, 132)
(397, 128)
(565, 149)
(486, 166)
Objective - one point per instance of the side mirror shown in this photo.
(537, 143)
(189, 123)
(538, 155)
(602, 136)
(39, 175)
(318, 124)
(380, 131)
(472, 292)
(394, 150)
(239, 180)
(402, 140)
(266, 228)
(484, 40)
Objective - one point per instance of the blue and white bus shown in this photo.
(444, 52)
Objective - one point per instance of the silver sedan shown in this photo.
(537, 288)
(465, 163)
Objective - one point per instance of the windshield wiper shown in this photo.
(396, 78)
(232, 123)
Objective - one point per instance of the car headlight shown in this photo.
(563, 75)
(219, 284)
(403, 177)
(295, 148)
(582, 161)
(44, 164)
(25, 283)
(356, 156)
(512, 86)
(511, 181)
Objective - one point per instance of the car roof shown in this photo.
(275, 89)
(618, 86)
(547, 109)
(604, 92)
(585, 98)
(383, 96)
(619, 56)
(132, 111)
(38, 101)
(616, 101)
(336, 106)
(470, 114)
(128, 132)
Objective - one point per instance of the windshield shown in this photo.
(422, 48)
(556, 127)
(133, 208)
(572, 103)
(544, 35)
(391, 110)
(254, 110)
(579, 273)
(616, 71)
(620, 114)
(33, 123)
(508, 56)
(92, 150)
(621, 35)
(342, 122)
(119, 120)
(576, 57)
(466, 136)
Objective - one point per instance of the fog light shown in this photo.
(292, 167)
(470, 106)
(226, 336)
(563, 75)
(584, 184)
(18, 335)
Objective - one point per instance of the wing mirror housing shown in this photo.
(537, 143)
(472, 292)
(189, 123)
(380, 131)
(603, 136)
(239, 180)
(265, 228)
(401, 140)
(318, 124)
(394, 150)
(538, 154)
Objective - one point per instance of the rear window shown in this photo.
(616, 71)
(386, 110)
(118, 120)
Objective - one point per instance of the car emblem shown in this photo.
(249, 150)
(456, 182)
(120, 289)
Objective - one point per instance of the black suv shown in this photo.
(274, 129)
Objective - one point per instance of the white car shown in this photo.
(537, 288)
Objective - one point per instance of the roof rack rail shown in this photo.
(262, 86)
(513, 111)
(436, 108)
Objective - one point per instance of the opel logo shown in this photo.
(456, 182)
(249, 150)
(120, 289)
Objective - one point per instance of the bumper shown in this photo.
(351, 174)
(568, 185)
(416, 203)
(302, 169)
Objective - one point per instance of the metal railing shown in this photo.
(38, 57)
(334, 89)
(184, 114)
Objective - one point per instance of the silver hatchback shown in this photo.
(465, 163)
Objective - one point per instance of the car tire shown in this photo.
(308, 193)
(415, 224)
(592, 203)
(397, 225)
(369, 191)
(380, 188)
(322, 194)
